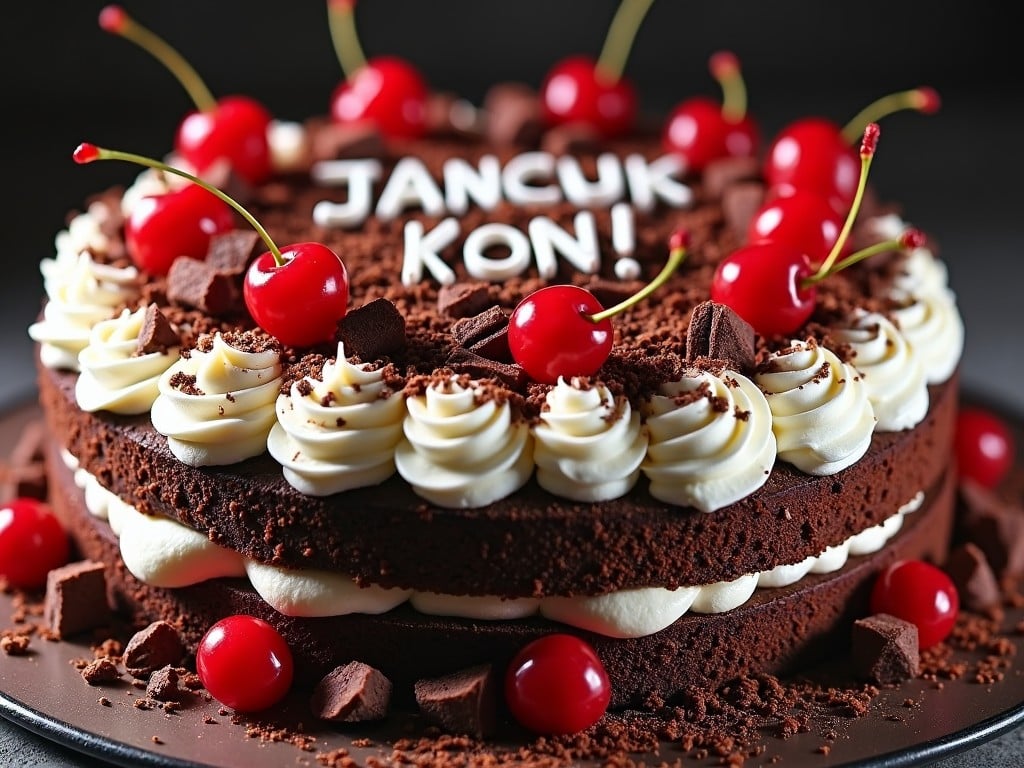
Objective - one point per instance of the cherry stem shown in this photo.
(912, 238)
(87, 153)
(116, 21)
(867, 154)
(676, 255)
(341, 19)
(621, 33)
(923, 99)
(725, 68)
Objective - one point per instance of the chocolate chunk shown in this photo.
(464, 361)
(885, 649)
(149, 649)
(448, 115)
(344, 141)
(996, 526)
(717, 332)
(486, 334)
(352, 693)
(722, 173)
(231, 252)
(100, 671)
(157, 334)
(76, 598)
(168, 684)
(195, 283)
(462, 299)
(975, 582)
(571, 139)
(513, 115)
(740, 202)
(24, 473)
(372, 331)
(464, 702)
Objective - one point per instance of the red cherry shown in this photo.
(576, 91)
(387, 91)
(232, 129)
(803, 220)
(557, 684)
(920, 593)
(811, 155)
(244, 663)
(301, 300)
(181, 222)
(32, 543)
(985, 447)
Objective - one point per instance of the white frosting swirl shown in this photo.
(340, 432)
(893, 375)
(932, 325)
(588, 446)
(85, 232)
(822, 417)
(319, 593)
(462, 450)
(230, 415)
(711, 440)
(921, 273)
(113, 377)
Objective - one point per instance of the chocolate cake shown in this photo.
(712, 500)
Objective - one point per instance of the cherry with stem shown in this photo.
(232, 128)
(562, 331)
(297, 294)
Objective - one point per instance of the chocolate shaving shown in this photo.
(464, 702)
(718, 333)
(885, 649)
(486, 334)
(352, 693)
(995, 526)
(76, 598)
(975, 582)
(157, 334)
(372, 331)
(464, 361)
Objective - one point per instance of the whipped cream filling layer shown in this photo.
(165, 553)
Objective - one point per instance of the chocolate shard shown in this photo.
(231, 252)
(486, 334)
(464, 702)
(885, 649)
(462, 360)
(975, 582)
(345, 141)
(571, 139)
(372, 331)
(76, 598)
(157, 334)
(513, 115)
(194, 283)
(463, 299)
(726, 171)
(352, 693)
(23, 475)
(995, 525)
(717, 332)
(158, 645)
(740, 202)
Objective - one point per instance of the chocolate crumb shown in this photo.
(156, 646)
(100, 671)
(167, 684)
(76, 598)
(15, 644)
(464, 361)
(885, 649)
(352, 693)
(462, 702)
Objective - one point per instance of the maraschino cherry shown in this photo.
(32, 542)
(920, 593)
(701, 130)
(580, 90)
(385, 90)
(803, 220)
(557, 684)
(772, 285)
(562, 331)
(984, 446)
(233, 128)
(244, 663)
(816, 155)
(297, 295)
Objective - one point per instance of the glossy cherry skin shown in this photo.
(761, 282)
(802, 220)
(557, 684)
(181, 222)
(244, 663)
(812, 155)
(32, 543)
(984, 446)
(236, 130)
(387, 91)
(573, 92)
(301, 301)
(699, 132)
(550, 337)
(920, 593)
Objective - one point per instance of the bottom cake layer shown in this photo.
(777, 631)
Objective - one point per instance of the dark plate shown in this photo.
(913, 724)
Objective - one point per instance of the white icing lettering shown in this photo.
(650, 181)
(581, 251)
(483, 267)
(529, 167)
(579, 190)
(360, 176)
(410, 185)
(463, 183)
(423, 249)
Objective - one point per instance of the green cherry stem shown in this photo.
(677, 244)
(867, 153)
(88, 153)
(922, 99)
(115, 20)
(621, 33)
(725, 68)
(342, 23)
(912, 238)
